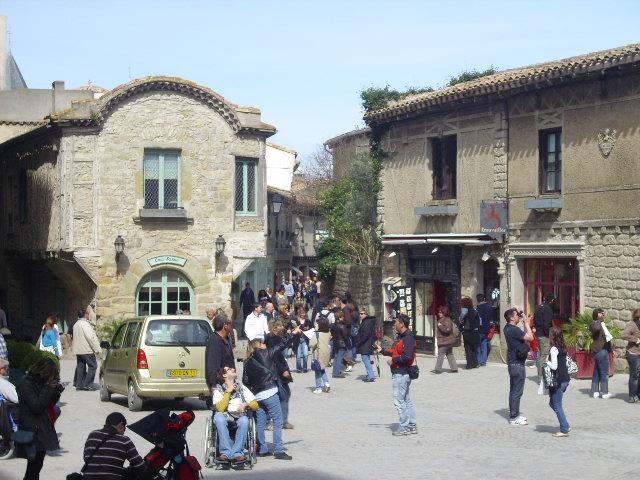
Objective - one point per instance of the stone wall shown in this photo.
(364, 283)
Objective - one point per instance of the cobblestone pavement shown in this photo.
(463, 431)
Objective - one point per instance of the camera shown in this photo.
(520, 314)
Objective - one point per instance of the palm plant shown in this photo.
(578, 335)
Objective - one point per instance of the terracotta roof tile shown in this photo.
(512, 79)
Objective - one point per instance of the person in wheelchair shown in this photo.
(8, 392)
(232, 402)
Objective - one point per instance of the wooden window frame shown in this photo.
(543, 142)
(442, 157)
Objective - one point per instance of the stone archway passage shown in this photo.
(164, 292)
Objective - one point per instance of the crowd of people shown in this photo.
(325, 336)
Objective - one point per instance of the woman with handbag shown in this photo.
(470, 332)
(260, 375)
(36, 433)
(557, 362)
(321, 349)
(448, 334)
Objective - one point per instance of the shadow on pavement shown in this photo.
(279, 474)
(156, 404)
(503, 412)
(546, 429)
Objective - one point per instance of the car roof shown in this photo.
(166, 317)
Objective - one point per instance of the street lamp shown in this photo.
(220, 244)
(119, 245)
(276, 203)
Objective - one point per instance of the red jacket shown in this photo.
(403, 352)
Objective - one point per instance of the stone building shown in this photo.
(548, 151)
(124, 202)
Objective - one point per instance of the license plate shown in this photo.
(182, 372)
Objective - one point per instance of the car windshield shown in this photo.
(177, 332)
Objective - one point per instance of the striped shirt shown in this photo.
(107, 463)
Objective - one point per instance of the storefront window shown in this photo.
(164, 292)
(559, 276)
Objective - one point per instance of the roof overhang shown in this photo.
(440, 238)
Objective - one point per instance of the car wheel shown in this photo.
(105, 394)
(133, 400)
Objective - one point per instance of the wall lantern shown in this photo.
(297, 230)
(276, 203)
(119, 245)
(220, 244)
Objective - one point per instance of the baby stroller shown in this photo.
(170, 458)
(7, 427)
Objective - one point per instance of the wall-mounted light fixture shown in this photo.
(119, 246)
(435, 249)
(297, 230)
(485, 256)
(392, 254)
(220, 244)
(276, 203)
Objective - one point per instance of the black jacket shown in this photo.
(218, 354)
(34, 399)
(280, 362)
(366, 336)
(341, 334)
(543, 319)
(470, 326)
(260, 371)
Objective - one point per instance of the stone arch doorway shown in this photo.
(164, 292)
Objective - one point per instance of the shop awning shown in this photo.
(391, 281)
(442, 238)
(315, 272)
(297, 270)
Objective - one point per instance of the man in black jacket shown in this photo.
(272, 339)
(364, 342)
(219, 352)
(543, 321)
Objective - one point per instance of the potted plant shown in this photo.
(578, 338)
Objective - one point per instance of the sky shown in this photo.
(303, 63)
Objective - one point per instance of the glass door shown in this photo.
(424, 320)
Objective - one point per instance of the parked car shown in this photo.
(156, 357)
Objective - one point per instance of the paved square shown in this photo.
(463, 431)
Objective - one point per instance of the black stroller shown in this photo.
(169, 459)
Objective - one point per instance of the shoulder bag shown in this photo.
(80, 476)
(26, 438)
(413, 370)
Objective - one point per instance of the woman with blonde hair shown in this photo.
(50, 336)
(631, 334)
(261, 376)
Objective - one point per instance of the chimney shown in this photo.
(4, 54)
(57, 87)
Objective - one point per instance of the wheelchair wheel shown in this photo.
(6, 448)
(252, 442)
(210, 444)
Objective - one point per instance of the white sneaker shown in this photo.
(349, 368)
(596, 394)
(605, 395)
(518, 421)
(522, 417)
(317, 390)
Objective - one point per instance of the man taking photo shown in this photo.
(517, 351)
(402, 356)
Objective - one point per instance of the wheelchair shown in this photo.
(7, 427)
(211, 451)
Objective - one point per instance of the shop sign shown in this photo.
(493, 218)
(167, 260)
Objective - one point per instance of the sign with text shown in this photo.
(167, 260)
(493, 218)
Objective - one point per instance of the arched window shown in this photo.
(163, 292)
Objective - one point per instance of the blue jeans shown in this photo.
(301, 356)
(402, 401)
(555, 402)
(224, 439)
(484, 347)
(354, 349)
(517, 376)
(321, 378)
(270, 406)
(337, 360)
(600, 379)
(366, 359)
